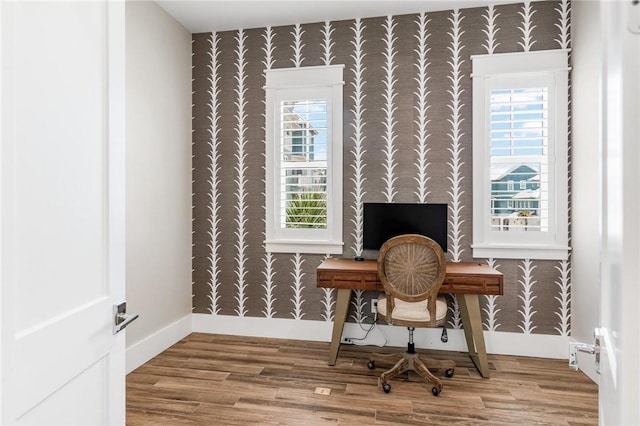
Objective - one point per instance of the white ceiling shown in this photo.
(213, 15)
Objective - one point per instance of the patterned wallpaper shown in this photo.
(407, 138)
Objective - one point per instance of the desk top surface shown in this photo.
(462, 277)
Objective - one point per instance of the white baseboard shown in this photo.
(522, 344)
(277, 328)
(497, 342)
(387, 335)
(142, 351)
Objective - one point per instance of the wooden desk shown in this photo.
(465, 279)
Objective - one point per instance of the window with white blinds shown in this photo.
(520, 158)
(304, 160)
(303, 171)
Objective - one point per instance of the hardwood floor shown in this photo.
(210, 379)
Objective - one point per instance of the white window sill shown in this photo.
(307, 247)
(505, 251)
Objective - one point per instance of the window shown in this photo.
(520, 131)
(304, 160)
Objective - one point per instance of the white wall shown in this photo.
(158, 55)
(586, 175)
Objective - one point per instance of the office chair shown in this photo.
(412, 268)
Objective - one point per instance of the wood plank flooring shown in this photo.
(210, 379)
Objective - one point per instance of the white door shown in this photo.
(62, 212)
(620, 302)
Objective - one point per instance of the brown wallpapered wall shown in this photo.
(232, 274)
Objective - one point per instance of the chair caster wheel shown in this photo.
(436, 391)
(386, 387)
(371, 365)
(449, 372)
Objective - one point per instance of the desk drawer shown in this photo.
(472, 285)
(345, 279)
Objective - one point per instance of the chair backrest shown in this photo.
(412, 268)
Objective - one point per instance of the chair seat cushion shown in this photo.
(413, 311)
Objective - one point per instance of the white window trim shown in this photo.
(321, 241)
(520, 244)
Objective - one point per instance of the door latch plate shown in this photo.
(593, 349)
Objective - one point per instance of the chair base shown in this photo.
(412, 362)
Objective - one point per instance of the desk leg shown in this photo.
(472, 323)
(342, 308)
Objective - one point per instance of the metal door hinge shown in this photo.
(120, 317)
(594, 349)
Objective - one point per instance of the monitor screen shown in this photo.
(385, 220)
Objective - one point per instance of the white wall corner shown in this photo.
(147, 348)
(586, 174)
(158, 172)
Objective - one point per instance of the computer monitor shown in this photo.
(386, 220)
